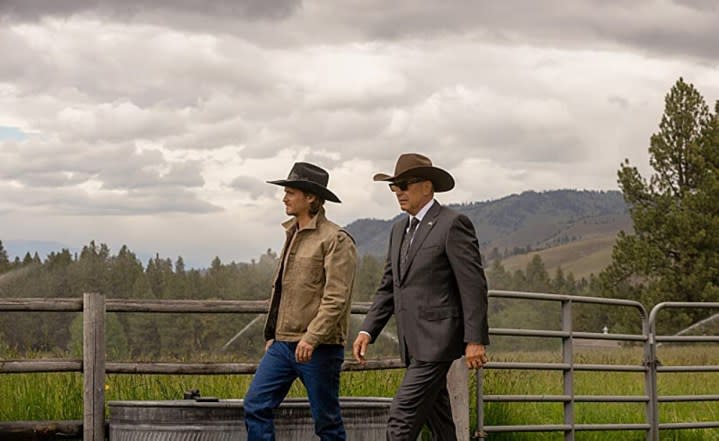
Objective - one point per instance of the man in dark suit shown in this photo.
(435, 286)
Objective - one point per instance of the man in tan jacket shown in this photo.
(306, 325)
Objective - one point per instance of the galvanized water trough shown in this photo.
(365, 419)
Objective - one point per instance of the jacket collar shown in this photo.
(291, 224)
(425, 226)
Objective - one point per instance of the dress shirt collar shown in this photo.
(423, 211)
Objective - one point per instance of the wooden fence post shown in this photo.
(93, 366)
(458, 388)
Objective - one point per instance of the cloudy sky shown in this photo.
(155, 123)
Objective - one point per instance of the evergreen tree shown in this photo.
(571, 284)
(537, 278)
(90, 271)
(494, 255)
(56, 269)
(559, 283)
(123, 272)
(498, 277)
(4, 259)
(673, 252)
(180, 266)
(159, 273)
(369, 272)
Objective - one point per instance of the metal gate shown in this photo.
(649, 367)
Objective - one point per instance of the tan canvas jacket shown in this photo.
(316, 285)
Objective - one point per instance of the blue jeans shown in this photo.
(276, 373)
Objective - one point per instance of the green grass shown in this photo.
(58, 396)
(604, 383)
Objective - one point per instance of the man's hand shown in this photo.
(268, 343)
(359, 348)
(475, 355)
(303, 353)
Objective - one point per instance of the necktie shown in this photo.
(406, 241)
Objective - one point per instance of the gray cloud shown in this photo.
(73, 201)
(129, 9)
(49, 178)
(619, 101)
(256, 188)
(126, 180)
(140, 173)
(324, 160)
(681, 27)
(116, 166)
(208, 99)
(700, 5)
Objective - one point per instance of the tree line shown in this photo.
(134, 336)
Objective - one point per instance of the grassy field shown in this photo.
(59, 396)
(605, 383)
(582, 257)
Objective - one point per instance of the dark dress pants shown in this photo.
(422, 398)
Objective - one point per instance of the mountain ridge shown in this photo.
(523, 223)
(574, 229)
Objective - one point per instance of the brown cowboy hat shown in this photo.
(414, 165)
(309, 178)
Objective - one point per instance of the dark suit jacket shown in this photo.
(441, 301)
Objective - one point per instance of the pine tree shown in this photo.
(369, 273)
(559, 283)
(537, 276)
(122, 272)
(180, 266)
(498, 277)
(4, 259)
(673, 252)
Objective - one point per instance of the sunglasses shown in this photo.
(404, 183)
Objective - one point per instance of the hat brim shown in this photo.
(441, 180)
(309, 187)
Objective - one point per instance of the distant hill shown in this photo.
(572, 228)
(581, 257)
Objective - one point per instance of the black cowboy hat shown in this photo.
(414, 165)
(308, 178)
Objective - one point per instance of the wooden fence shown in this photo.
(94, 366)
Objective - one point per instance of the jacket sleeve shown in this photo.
(340, 264)
(383, 303)
(462, 249)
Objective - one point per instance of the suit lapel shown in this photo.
(397, 233)
(421, 234)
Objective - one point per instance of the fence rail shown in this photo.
(94, 367)
(654, 341)
(568, 367)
